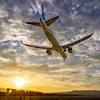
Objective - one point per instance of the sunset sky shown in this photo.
(40, 72)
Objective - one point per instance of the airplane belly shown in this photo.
(63, 54)
(51, 38)
(48, 33)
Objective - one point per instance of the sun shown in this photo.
(19, 81)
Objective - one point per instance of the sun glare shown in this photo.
(19, 81)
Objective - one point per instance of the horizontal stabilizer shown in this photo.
(50, 21)
(34, 23)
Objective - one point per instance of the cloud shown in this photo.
(4, 59)
(76, 20)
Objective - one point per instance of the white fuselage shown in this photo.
(50, 36)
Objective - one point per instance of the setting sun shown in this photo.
(19, 81)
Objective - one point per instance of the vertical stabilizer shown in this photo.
(43, 17)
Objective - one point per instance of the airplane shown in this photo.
(50, 35)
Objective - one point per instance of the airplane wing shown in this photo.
(41, 47)
(76, 42)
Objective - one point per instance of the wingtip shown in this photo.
(91, 34)
(57, 16)
(27, 22)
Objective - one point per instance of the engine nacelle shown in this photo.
(49, 52)
(70, 50)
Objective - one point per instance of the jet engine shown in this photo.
(49, 52)
(70, 50)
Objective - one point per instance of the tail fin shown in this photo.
(48, 22)
(43, 17)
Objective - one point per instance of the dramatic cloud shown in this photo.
(77, 18)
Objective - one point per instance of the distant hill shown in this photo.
(78, 92)
(84, 92)
(75, 92)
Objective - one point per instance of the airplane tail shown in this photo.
(43, 17)
(48, 22)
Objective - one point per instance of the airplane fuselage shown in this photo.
(50, 36)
